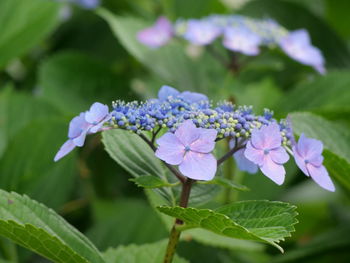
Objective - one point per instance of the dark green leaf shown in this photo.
(263, 221)
(20, 29)
(34, 226)
(150, 181)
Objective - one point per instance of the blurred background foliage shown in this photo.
(57, 58)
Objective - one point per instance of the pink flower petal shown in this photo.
(170, 149)
(198, 166)
(273, 170)
(279, 155)
(206, 142)
(254, 155)
(187, 133)
(321, 177)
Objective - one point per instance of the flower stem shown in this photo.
(175, 233)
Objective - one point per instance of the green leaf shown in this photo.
(316, 94)
(334, 49)
(28, 167)
(73, 81)
(35, 227)
(20, 29)
(263, 221)
(22, 108)
(150, 181)
(336, 141)
(226, 183)
(135, 156)
(169, 62)
(148, 253)
(125, 214)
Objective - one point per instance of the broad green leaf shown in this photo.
(17, 109)
(23, 24)
(169, 62)
(316, 94)
(226, 183)
(135, 156)
(73, 81)
(37, 228)
(147, 253)
(125, 214)
(263, 221)
(28, 167)
(336, 141)
(150, 181)
(334, 49)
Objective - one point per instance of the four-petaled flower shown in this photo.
(190, 148)
(265, 150)
(308, 157)
(90, 121)
(157, 35)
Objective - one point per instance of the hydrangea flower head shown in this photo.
(201, 32)
(242, 40)
(265, 150)
(190, 148)
(297, 45)
(308, 157)
(242, 162)
(157, 35)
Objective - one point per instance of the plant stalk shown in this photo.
(175, 233)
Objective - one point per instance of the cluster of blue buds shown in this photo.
(193, 126)
(239, 34)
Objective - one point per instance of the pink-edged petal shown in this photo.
(66, 148)
(309, 148)
(279, 155)
(96, 113)
(244, 164)
(170, 149)
(254, 155)
(206, 142)
(98, 127)
(166, 91)
(187, 133)
(272, 170)
(321, 177)
(198, 166)
(299, 160)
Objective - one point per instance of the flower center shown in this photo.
(187, 148)
(266, 151)
(306, 161)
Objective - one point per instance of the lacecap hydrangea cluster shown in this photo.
(193, 125)
(239, 34)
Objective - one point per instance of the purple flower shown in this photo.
(88, 4)
(297, 45)
(157, 35)
(242, 162)
(190, 147)
(166, 91)
(265, 150)
(308, 157)
(242, 40)
(90, 121)
(201, 32)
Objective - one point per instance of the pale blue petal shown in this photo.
(300, 161)
(66, 148)
(187, 133)
(206, 142)
(254, 155)
(166, 91)
(98, 127)
(193, 96)
(321, 177)
(201, 32)
(77, 125)
(170, 149)
(272, 170)
(96, 113)
(198, 166)
(279, 155)
(242, 40)
(243, 163)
